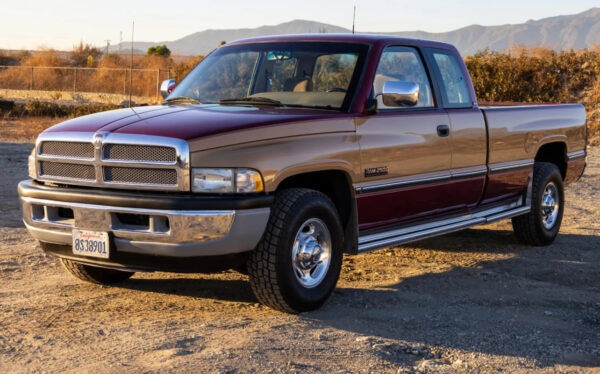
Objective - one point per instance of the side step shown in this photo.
(385, 239)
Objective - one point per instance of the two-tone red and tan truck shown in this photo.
(277, 155)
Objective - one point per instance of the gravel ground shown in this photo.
(474, 301)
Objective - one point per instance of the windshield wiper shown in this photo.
(257, 100)
(182, 100)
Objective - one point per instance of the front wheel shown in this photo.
(540, 226)
(296, 265)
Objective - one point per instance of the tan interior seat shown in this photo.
(297, 85)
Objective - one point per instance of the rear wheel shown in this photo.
(95, 274)
(296, 265)
(540, 226)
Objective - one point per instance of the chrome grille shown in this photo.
(67, 171)
(115, 174)
(113, 160)
(68, 149)
(139, 153)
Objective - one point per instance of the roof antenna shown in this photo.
(131, 64)
(353, 19)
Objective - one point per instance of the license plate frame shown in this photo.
(91, 243)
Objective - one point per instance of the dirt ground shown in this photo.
(474, 301)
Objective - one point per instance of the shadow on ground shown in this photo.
(541, 304)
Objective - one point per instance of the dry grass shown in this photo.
(47, 70)
(24, 130)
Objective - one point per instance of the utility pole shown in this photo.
(353, 19)
(120, 40)
(107, 45)
(131, 65)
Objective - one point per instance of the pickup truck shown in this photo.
(277, 155)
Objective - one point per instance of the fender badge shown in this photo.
(373, 172)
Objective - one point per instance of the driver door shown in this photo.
(405, 152)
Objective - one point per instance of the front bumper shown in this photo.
(154, 224)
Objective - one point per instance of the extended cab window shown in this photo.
(454, 85)
(402, 64)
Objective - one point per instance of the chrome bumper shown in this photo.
(172, 233)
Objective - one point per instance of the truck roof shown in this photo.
(345, 38)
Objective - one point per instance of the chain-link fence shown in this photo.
(140, 82)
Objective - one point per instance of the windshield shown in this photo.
(297, 74)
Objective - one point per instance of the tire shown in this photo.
(539, 227)
(94, 274)
(297, 263)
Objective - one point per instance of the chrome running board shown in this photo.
(385, 239)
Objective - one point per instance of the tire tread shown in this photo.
(262, 264)
(526, 226)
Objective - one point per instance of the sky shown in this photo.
(60, 24)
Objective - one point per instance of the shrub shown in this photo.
(159, 50)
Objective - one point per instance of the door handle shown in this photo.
(443, 130)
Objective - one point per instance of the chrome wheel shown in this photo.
(550, 205)
(311, 253)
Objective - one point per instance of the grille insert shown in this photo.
(67, 171)
(113, 160)
(117, 174)
(67, 149)
(130, 152)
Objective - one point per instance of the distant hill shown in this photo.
(561, 32)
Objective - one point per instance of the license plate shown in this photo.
(90, 243)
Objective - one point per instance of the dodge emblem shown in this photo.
(97, 141)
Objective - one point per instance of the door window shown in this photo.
(402, 64)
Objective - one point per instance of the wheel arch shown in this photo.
(554, 152)
(337, 185)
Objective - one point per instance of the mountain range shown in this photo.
(564, 32)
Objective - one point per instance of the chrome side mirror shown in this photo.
(400, 93)
(167, 87)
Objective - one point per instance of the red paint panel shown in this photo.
(189, 122)
(506, 184)
(575, 169)
(379, 209)
(94, 122)
(197, 121)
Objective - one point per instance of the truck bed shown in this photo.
(516, 133)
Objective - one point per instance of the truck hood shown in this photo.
(189, 122)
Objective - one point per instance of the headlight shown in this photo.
(226, 180)
(31, 164)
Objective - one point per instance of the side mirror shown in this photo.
(400, 93)
(167, 87)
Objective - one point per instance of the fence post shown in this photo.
(75, 80)
(31, 81)
(158, 83)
